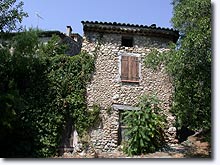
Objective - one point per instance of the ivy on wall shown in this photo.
(41, 90)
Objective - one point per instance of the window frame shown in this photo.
(139, 67)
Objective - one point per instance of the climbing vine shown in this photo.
(42, 89)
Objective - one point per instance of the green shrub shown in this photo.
(145, 127)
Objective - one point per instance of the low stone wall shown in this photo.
(106, 88)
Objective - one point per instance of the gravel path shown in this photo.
(193, 147)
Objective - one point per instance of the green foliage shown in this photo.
(53, 47)
(10, 14)
(16, 73)
(41, 90)
(94, 116)
(91, 120)
(190, 64)
(145, 127)
(154, 59)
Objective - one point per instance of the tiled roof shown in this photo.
(123, 28)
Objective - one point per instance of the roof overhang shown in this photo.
(130, 29)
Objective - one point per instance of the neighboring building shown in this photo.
(120, 76)
(72, 40)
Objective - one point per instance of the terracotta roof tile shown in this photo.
(114, 27)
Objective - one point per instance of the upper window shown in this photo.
(127, 41)
(129, 69)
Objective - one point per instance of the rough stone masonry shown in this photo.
(108, 42)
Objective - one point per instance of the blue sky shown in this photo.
(57, 14)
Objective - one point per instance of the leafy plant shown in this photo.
(145, 127)
(94, 116)
(153, 59)
(91, 120)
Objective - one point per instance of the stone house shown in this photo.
(120, 76)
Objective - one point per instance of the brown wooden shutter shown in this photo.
(124, 67)
(134, 68)
(130, 69)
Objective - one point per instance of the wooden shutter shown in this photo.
(134, 68)
(129, 69)
(124, 67)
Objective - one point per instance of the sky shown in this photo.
(57, 14)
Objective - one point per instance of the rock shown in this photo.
(170, 118)
(172, 129)
(117, 85)
(116, 97)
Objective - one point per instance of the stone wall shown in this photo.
(106, 88)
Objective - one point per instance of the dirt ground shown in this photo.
(193, 147)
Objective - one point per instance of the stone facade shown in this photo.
(106, 88)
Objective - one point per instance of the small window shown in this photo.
(129, 69)
(127, 41)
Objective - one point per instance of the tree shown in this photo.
(192, 101)
(10, 15)
(189, 64)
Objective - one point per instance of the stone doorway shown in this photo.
(122, 128)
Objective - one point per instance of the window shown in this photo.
(129, 69)
(127, 41)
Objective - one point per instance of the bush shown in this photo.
(145, 127)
